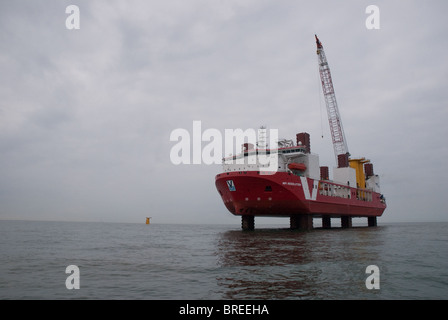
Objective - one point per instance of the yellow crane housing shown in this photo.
(358, 165)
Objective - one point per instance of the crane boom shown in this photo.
(334, 118)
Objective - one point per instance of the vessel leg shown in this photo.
(306, 222)
(293, 222)
(371, 221)
(247, 222)
(301, 221)
(346, 222)
(326, 222)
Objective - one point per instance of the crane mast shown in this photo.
(337, 132)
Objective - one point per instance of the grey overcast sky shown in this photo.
(86, 115)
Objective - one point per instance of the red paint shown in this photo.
(282, 194)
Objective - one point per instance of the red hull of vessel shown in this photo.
(284, 194)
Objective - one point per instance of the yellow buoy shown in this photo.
(147, 220)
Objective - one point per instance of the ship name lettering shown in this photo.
(292, 183)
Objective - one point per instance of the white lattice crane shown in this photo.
(337, 132)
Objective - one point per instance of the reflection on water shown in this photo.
(286, 264)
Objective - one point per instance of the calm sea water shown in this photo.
(157, 261)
